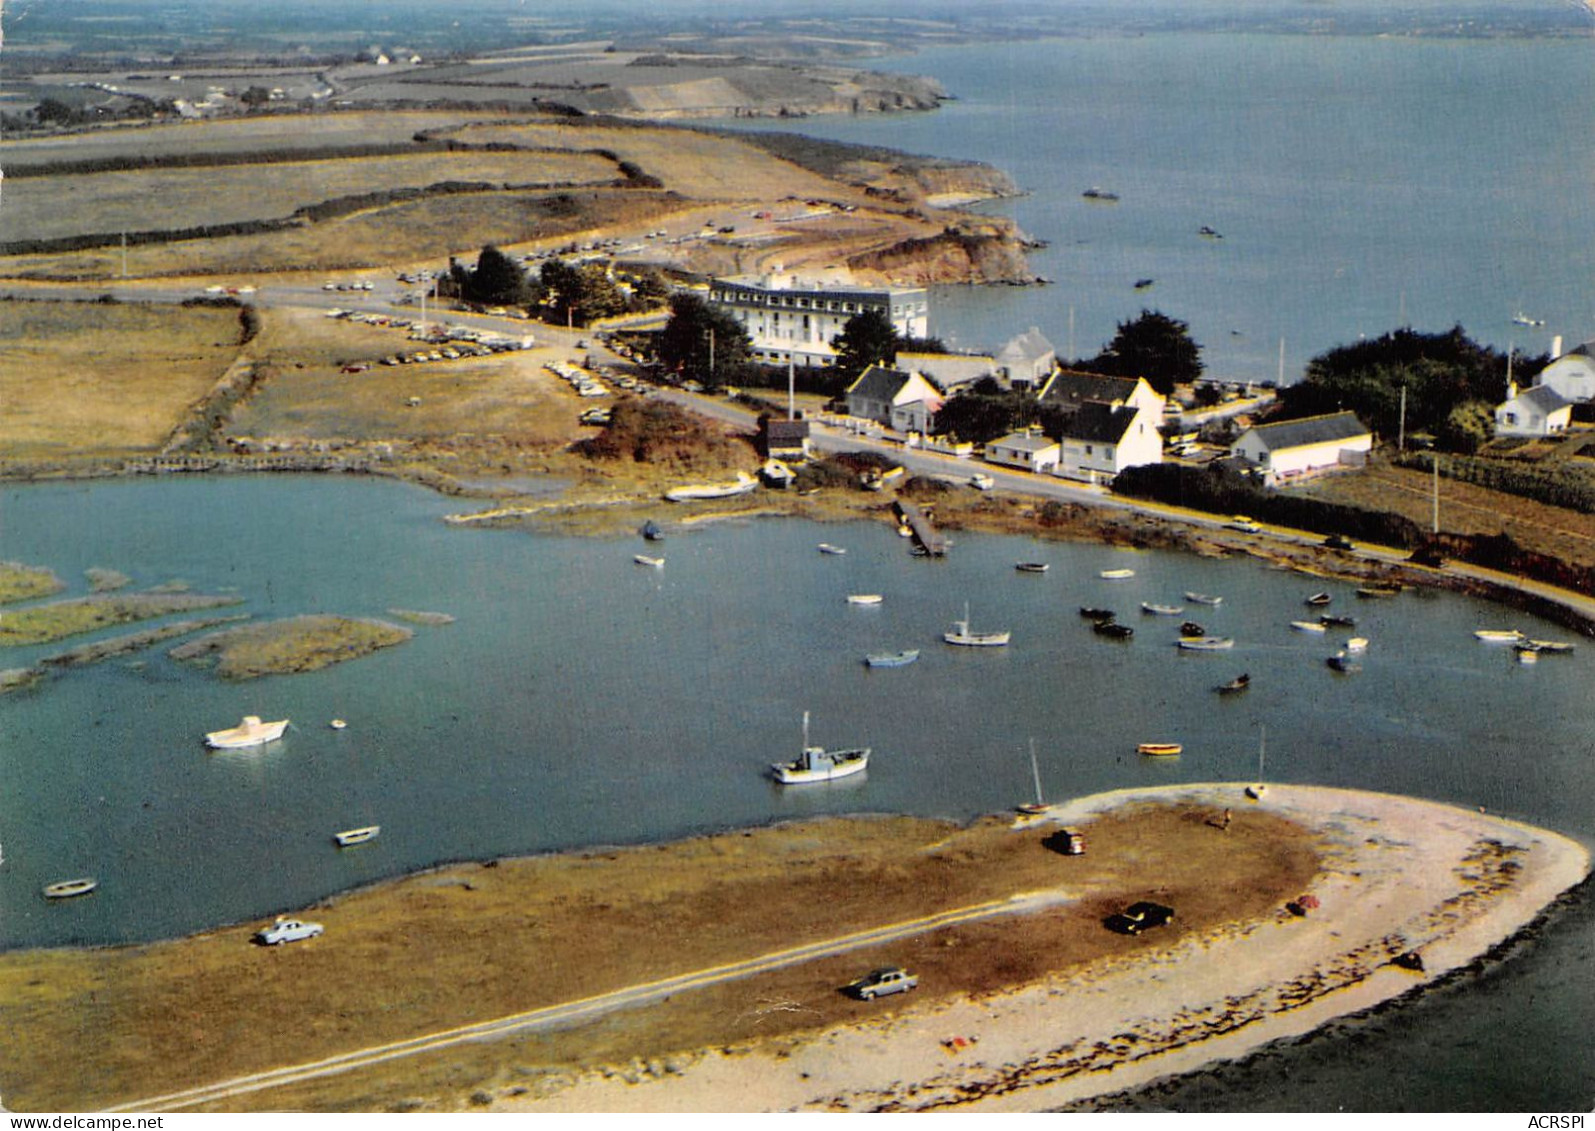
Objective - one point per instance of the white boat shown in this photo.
(827, 548)
(337, 724)
(250, 732)
(864, 598)
(1152, 610)
(1357, 644)
(1116, 574)
(645, 560)
(1205, 643)
(350, 837)
(1554, 646)
(892, 659)
(816, 764)
(1038, 807)
(1204, 599)
(743, 485)
(1309, 626)
(1498, 636)
(960, 634)
(1521, 319)
(67, 889)
(1527, 654)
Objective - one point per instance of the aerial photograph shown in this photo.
(598, 556)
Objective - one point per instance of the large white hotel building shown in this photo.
(793, 320)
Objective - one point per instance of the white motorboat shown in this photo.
(1203, 599)
(67, 889)
(817, 764)
(827, 548)
(892, 659)
(960, 634)
(350, 837)
(1116, 574)
(864, 598)
(250, 732)
(1498, 636)
(1205, 643)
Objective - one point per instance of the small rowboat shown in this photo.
(645, 560)
(1032, 567)
(1329, 621)
(1191, 628)
(1318, 600)
(1097, 614)
(1116, 574)
(1499, 636)
(67, 889)
(1113, 630)
(1206, 643)
(1238, 684)
(351, 837)
(827, 548)
(1159, 749)
(1527, 653)
(1554, 646)
(1370, 592)
(337, 724)
(1204, 599)
(1307, 626)
(1342, 662)
(1152, 610)
(864, 598)
(1357, 644)
(892, 659)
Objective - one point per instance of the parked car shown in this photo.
(1140, 916)
(886, 980)
(286, 931)
(1337, 542)
(1243, 524)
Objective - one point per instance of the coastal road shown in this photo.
(572, 1012)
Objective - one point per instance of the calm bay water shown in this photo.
(1359, 183)
(579, 700)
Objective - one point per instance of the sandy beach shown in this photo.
(1404, 877)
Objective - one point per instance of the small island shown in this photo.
(298, 644)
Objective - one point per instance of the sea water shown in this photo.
(1358, 184)
(578, 699)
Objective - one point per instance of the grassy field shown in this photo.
(104, 380)
(480, 941)
(175, 199)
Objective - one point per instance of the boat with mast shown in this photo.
(1038, 807)
(817, 764)
(1256, 790)
(960, 634)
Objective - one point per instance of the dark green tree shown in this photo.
(255, 97)
(497, 281)
(985, 411)
(866, 339)
(1153, 346)
(696, 331)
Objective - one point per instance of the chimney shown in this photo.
(1556, 347)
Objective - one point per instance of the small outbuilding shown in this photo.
(1029, 450)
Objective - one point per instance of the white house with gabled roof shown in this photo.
(1536, 411)
(1572, 375)
(1028, 450)
(1294, 448)
(906, 402)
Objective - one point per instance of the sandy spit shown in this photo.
(1405, 877)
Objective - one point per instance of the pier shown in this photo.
(925, 535)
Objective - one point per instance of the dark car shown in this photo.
(1337, 542)
(1139, 917)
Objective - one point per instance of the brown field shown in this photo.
(172, 199)
(474, 942)
(1465, 509)
(99, 379)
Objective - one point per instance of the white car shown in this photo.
(1243, 524)
(887, 980)
(287, 930)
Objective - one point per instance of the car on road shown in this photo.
(286, 931)
(886, 980)
(1243, 524)
(1140, 916)
(1337, 542)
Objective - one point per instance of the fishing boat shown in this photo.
(250, 732)
(1205, 643)
(1116, 574)
(68, 889)
(744, 484)
(817, 764)
(1191, 628)
(960, 634)
(1357, 644)
(864, 598)
(1038, 807)
(1307, 626)
(1499, 636)
(1113, 630)
(1096, 614)
(1555, 647)
(645, 560)
(1342, 662)
(827, 548)
(1204, 599)
(1153, 610)
(651, 531)
(1032, 567)
(1318, 600)
(351, 837)
(1160, 749)
(1235, 686)
(1256, 790)
(892, 659)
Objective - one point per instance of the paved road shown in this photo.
(572, 1012)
